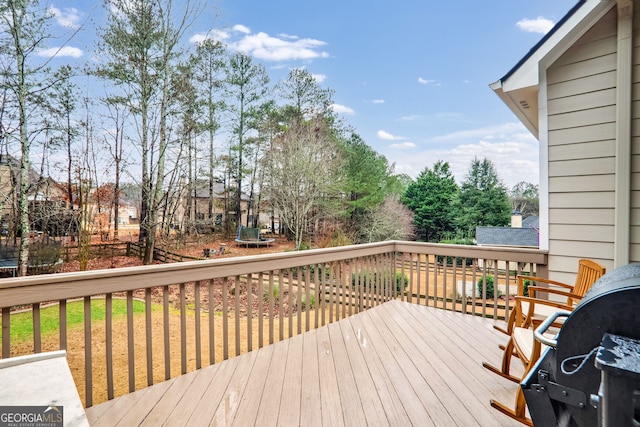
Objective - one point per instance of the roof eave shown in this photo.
(524, 77)
(529, 120)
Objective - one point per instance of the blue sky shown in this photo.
(412, 78)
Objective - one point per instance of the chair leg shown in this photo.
(500, 329)
(519, 413)
(503, 371)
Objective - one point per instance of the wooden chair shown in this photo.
(529, 351)
(530, 311)
(529, 348)
(588, 273)
(527, 314)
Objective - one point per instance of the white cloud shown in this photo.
(387, 136)
(241, 29)
(69, 17)
(425, 81)
(378, 101)
(288, 36)
(216, 35)
(506, 130)
(342, 109)
(269, 48)
(59, 52)
(403, 145)
(539, 25)
(319, 78)
(513, 151)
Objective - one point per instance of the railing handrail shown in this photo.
(514, 254)
(34, 289)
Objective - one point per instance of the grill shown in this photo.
(590, 375)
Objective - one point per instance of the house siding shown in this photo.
(581, 107)
(634, 249)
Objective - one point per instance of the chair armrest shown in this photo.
(522, 278)
(533, 290)
(533, 301)
(529, 315)
(547, 281)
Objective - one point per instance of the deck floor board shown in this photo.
(203, 414)
(269, 404)
(395, 364)
(329, 392)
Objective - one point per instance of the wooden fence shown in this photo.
(132, 249)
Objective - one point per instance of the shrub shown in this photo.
(490, 287)
(304, 246)
(402, 281)
(461, 241)
(276, 293)
(302, 270)
(525, 287)
(312, 301)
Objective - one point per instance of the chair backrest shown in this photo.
(588, 273)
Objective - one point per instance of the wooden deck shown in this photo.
(397, 364)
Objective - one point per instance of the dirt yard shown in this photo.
(194, 248)
(75, 337)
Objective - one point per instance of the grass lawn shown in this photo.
(22, 323)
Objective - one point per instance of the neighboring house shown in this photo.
(47, 198)
(103, 219)
(127, 212)
(200, 204)
(521, 233)
(577, 91)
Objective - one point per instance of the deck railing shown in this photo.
(124, 329)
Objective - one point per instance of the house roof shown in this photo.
(544, 39)
(507, 236)
(519, 87)
(532, 221)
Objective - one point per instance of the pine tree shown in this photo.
(431, 198)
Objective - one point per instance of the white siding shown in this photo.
(581, 117)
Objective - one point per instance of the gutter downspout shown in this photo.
(623, 134)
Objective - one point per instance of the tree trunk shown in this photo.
(23, 203)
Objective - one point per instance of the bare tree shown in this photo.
(390, 220)
(23, 30)
(118, 115)
(62, 106)
(301, 164)
(524, 198)
(140, 46)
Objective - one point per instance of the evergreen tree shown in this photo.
(430, 198)
(247, 83)
(483, 199)
(366, 174)
(368, 181)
